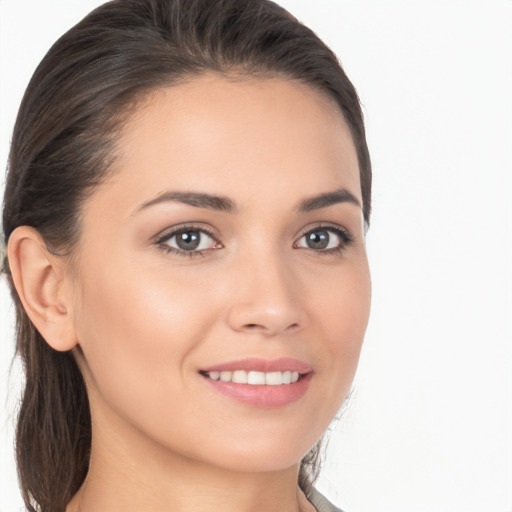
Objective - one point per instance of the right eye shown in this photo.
(188, 241)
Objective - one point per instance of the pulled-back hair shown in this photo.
(63, 145)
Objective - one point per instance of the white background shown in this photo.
(430, 425)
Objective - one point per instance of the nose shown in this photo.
(266, 299)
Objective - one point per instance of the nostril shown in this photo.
(293, 327)
(255, 327)
(266, 319)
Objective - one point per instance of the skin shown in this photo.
(143, 321)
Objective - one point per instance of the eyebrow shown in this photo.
(197, 199)
(341, 195)
(224, 204)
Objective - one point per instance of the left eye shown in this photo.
(322, 239)
(190, 240)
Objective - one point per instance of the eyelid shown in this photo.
(343, 233)
(173, 231)
(187, 226)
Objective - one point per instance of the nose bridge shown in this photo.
(266, 298)
(272, 280)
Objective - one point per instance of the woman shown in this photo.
(185, 211)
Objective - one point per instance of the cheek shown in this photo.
(343, 307)
(136, 331)
(341, 313)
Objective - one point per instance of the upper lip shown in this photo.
(284, 364)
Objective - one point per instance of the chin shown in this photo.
(261, 457)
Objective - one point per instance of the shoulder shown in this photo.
(320, 502)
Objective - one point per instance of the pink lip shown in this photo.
(284, 364)
(262, 396)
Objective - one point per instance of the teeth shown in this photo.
(274, 379)
(239, 377)
(256, 378)
(226, 376)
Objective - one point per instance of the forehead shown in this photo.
(235, 136)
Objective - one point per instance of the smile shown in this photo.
(255, 378)
(259, 382)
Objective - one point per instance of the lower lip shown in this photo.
(263, 396)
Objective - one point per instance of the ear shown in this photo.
(39, 279)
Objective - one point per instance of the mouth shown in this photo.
(260, 383)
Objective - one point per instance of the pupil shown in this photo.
(188, 241)
(318, 240)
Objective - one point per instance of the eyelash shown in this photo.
(346, 239)
(165, 237)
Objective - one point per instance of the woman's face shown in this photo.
(228, 246)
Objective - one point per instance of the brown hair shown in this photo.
(62, 147)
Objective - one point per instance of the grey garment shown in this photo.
(320, 502)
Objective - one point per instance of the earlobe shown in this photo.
(38, 278)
